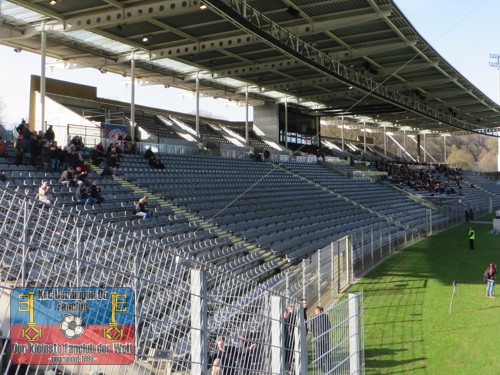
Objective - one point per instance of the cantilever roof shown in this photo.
(357, 58)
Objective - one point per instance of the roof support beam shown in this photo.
(445, 94)
(117, 16)
(370, 50)
(246, 39)
(334, 24)
(243, 16)
(389, 70)
(422, 83)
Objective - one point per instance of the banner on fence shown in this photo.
(62, 326)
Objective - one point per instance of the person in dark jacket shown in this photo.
(320, 327)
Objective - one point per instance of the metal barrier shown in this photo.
(337, 338)
(188, 317)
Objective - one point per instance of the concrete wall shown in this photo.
(266, 118)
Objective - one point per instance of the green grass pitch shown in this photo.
(408, 327)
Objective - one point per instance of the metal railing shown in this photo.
(182, 308)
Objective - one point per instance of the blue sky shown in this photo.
(464, 32)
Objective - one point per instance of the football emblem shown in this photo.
(72, 326)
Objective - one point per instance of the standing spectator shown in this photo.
(142, 209)
(267, 155)
(64, 161)
(472, 237)
(20, 127)
(149, 153)
(50, 135)
(248, 362)
(320, 327)
(471, 214)
(95, 192)
(3, 148)
(45, 157)
(290, 320)
(55, 152)
(44, 193)
(26, 140)
(3, 177)
(489, 276)
(223, 357)
(216, 368)
(304, 307)
(19, 150)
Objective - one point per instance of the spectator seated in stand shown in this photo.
(113, 158)
(95, 192)
(81, 175)
(97, 155)
(68, 177)
(107, 173)
(156, 163)
(141, 208)
(77, 141)
(129, 146)
(44, 193)
(83, 196)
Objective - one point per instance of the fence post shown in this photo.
(287, 284)
(390, 243)
(332, 265)
(25, 241)
(277, 355)
(79, 247)
(301, 344)
(354, 334)
(339, 273)
(199, 326)
(303, 278)
(362, 250)
(372, 244)
(318, 275)
(349, 264)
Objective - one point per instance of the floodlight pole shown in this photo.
(132, 97)
(495, 63)
(364, 137)
(43, 50)
(198, 105)
(246, 114)
(342, 133)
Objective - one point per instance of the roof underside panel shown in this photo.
(371, 43)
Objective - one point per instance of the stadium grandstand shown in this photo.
(203, 244)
